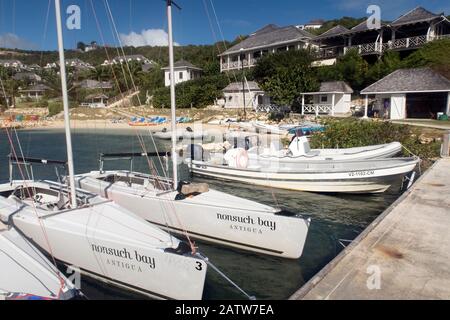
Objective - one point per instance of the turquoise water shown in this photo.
(334, 218)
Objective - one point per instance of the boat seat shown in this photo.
(3, 227)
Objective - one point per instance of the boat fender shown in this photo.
(237, 158)
(182, 249)
(194, 188)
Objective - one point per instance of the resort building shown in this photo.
(96, 101)
(12, 64)
(95, 85)
(35, 92)
(30, 77)
(127, 59)
(312, 25)
(184, 71)
(334, 97)
(269, 39)
(409, 32)
(73, 63)
(410, 93)
(234, 96)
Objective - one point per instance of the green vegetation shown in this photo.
(347, 22)
(197, 93)
(55, 108)
(285, 75)
(351, 133)
(357, 72)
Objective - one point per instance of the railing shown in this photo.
(397, 44)
(233, 65)
(327, 53)
(317, 109)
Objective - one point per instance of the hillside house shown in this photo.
(184, 71)
(409, 32)
(270, 39)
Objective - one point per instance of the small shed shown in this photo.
(333, 97)
(96, 101)
(236, 92)
(410, 93)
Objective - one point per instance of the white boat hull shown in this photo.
(334, 180)
(111, 244)
(212, 216)
(362, 153)
(26, 273)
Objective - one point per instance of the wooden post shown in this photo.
(366, 109)
(333, 101)
(448, 104)
(445, 150)
(303, 104)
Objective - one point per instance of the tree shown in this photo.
(81, 46)
(390, 62)
(283, 76)
(434, 54)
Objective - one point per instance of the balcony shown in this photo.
(377, 48)
(396, 45)
(237, 65)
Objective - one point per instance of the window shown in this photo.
(323, 99)
(181, 76)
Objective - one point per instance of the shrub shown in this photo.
(54, 108)
(356, 133)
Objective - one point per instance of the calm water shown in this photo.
(333, 217)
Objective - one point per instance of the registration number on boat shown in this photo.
(361, 173)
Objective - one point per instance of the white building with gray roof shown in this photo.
(184, 71)
(408, 32)
(410, 93)
(333, 98)
(235, 93)
(269, 39)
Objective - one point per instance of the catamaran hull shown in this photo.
(28, 274)
(364, 181)
(213, 217)
(115, 246)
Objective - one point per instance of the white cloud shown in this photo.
(149, 37)
(13, 41)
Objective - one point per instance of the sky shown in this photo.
(30, 24)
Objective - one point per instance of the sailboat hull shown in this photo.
(28, 274)
(105, 241)
(212, 216)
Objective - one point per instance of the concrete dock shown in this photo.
(404, 254)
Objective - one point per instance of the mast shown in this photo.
(62, 65)
(172, 95)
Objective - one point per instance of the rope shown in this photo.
(420, 162)
(249, 297)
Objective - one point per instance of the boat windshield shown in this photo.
(134, 180)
